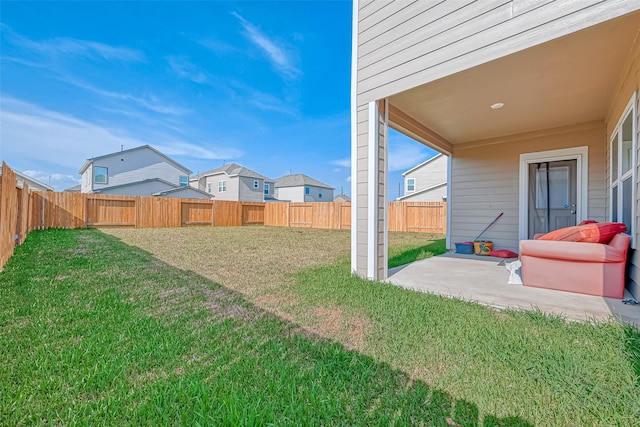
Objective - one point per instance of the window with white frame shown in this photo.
(623, 164)
(183, 180)
(100, 175)
(256, 184)
(411, 184)
(266, 189)
(209, 188)
(222, 186)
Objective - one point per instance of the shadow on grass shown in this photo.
(139, 341)
(402, 256)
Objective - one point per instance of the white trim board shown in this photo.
(580, 154)
(354, 138)
(372, 190)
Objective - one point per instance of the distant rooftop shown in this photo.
(299, 180)
(232, 169)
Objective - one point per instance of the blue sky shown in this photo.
(262, 84)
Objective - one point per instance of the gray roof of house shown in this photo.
(300, 180)
(142, 147)
(233, 169)
(342, 197)
(129, 184)
(181, 189)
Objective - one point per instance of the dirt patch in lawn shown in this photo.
(260, 263)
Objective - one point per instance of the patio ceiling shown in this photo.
(566, 81)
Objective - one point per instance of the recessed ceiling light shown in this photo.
(497, 105)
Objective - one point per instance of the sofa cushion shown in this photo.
(600, 232)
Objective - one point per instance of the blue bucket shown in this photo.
(464, 247)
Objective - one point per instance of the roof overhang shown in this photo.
(569, 80)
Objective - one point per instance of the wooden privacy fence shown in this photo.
(23, 210)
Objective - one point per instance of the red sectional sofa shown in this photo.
(576, 266)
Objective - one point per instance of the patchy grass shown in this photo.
(97, 332)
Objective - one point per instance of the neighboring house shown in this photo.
(234, 182)
(140, 171)
(74, 189)
(302, 188)
(342, 198)
(33, 183)
(426, 182)
(527, 99)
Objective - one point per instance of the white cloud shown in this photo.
(185, 69)
(51, 144)
(151, 102)
(404, 155)
(193, 151)
(278, 55)
(64, 46)
(58, 181)
(348, 178)
(32, 134)
(345, 163)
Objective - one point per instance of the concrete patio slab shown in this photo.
(484, 280)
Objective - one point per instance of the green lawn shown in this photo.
(95, 331)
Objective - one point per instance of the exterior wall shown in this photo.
(629, 84)
(298, 194)
(485, 181)
(291, 194)
(314, 194)
(402, 45)
(142, 189)
(232, 192)
(247, 192)
(134, 166)
(436, 194)
(87, 180)
(430, 174)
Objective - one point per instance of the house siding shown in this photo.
(427, 175)
(629, 83)
(246, 191)
(87, 180)
(134, 166)
(485, 181)
(402, 45)
(233, 187)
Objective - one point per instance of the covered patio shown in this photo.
(484, 280)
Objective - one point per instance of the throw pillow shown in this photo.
(601, 232)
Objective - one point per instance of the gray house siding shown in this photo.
(485, 183)
(247, 191)
(132, 166)
(403, 45)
